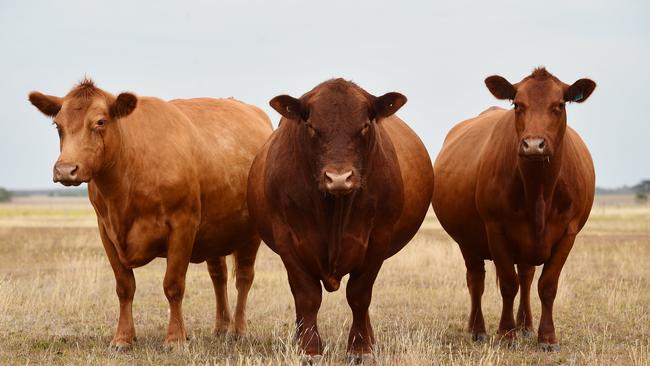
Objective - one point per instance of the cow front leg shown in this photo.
(359, 295)
(547, 287)
(125, 288)
(178, 258)
(307, 296)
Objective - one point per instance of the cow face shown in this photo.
(337, 124)
(86, 121)
(539, 105)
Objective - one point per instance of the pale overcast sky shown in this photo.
(436, 53)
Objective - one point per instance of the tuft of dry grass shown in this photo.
(58, 302)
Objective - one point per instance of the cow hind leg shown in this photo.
(509, 286)
(508, 282)
(524, 314)
(219, 274)
(307, 296)
(244, 275)
(476, 285)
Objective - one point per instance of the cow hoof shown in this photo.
(479, 337)
(235, 337)
(364, 359)
(219, 332)
(509, 342)
(526, 333)
(120, 346)
(309, 360)
(549, 347)
(176, 346)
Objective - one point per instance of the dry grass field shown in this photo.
(58, 303)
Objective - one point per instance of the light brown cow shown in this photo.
(516, 187)
(166, 179)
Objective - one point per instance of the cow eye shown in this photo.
(58, 129)
(101, 123)
(516, 106)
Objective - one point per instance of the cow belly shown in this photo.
(221, 237)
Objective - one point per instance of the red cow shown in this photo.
(341, 185)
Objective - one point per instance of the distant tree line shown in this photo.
(642, 191)
(5, 195)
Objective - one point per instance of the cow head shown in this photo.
(539, 104)
(86, 121)
(336, 124)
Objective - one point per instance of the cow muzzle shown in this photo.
(339, 183)
(67, 174)
(534, 148)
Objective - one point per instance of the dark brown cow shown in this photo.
(516, 187)
(340, 186)
(166, 179)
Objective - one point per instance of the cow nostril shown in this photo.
(542, 144)
(524, 144)
(73, 171)
(339, 182)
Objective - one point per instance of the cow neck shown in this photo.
(340, 216)
(112, 179)
(331, 213)
(539, 181)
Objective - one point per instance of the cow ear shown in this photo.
(500, 87)
(388, 104)
(288, 106)
(47, 104)
(579, 91)
(123, 105)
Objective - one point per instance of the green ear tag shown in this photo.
(577, 97)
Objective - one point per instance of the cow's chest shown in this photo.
(526, 245)
(137, 241)
(318, 251)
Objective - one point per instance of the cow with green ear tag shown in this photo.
(516, 186)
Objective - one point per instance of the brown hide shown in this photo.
(166, 179)
(323, 233)
(516, 186)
